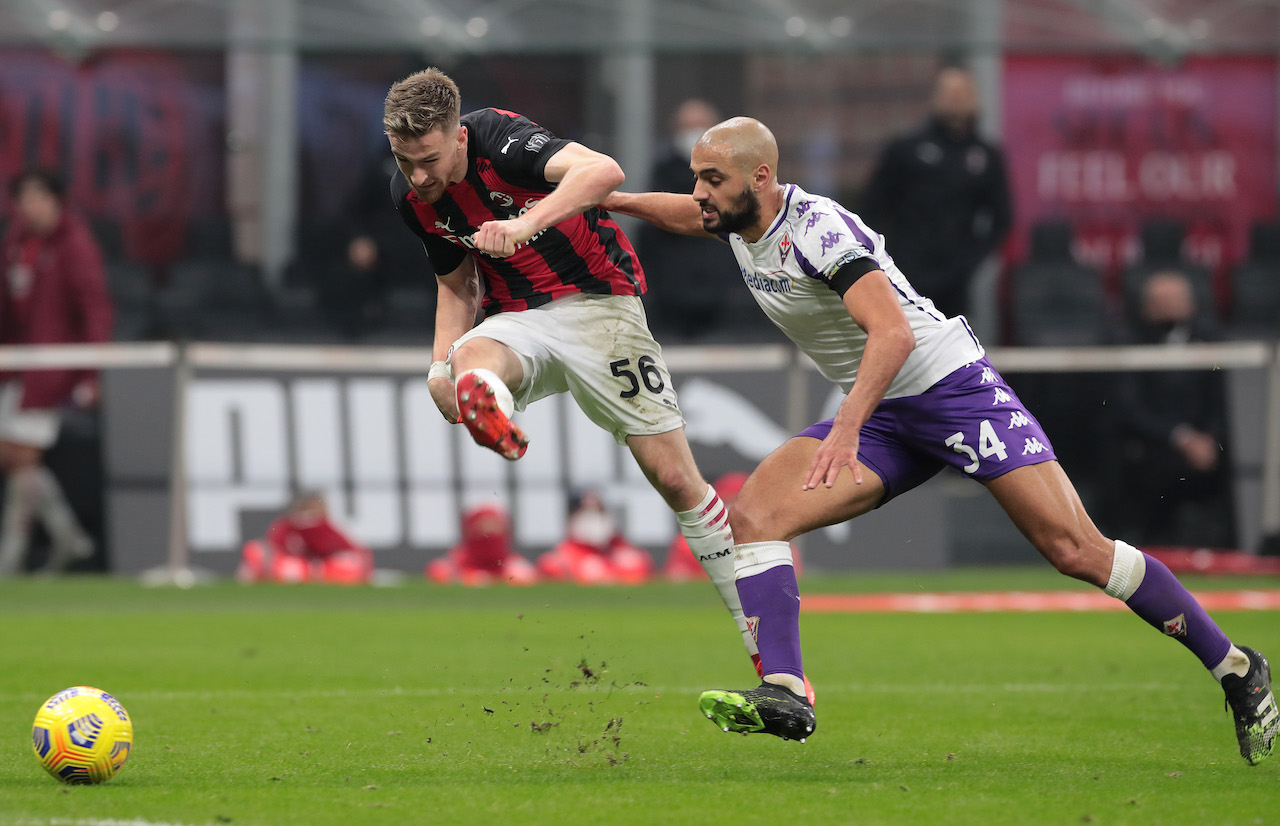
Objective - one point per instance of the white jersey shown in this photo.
(788, 271)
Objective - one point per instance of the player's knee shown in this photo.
(1075, 558)
(753, 521)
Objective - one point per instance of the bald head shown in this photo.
(955, 100)
(745, 143)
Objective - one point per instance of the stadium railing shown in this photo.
(184, 359)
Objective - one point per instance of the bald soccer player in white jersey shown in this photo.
(921, 396)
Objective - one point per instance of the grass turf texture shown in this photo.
(315, 705)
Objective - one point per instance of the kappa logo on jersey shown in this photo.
(831, 239)
(1033, 446)
(803, 208)
(988, 376)
(785, 246)
(813, 221)
(1001, 397)
(536, 142)
(1018, 419)
(753, 625)
(507, 145)
(1176, 627)
(502, 198)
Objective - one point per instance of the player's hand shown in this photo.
(502, 238)
(838, 450)
(445, 397)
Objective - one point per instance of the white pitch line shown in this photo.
(648, 688)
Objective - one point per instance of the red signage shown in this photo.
(1109, 142)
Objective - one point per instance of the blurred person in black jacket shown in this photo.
(687, 277)
(940, 196)
(1174, 431)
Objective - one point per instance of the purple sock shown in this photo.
(771, 602)
(1167, 605)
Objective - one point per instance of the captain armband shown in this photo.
(847, 274)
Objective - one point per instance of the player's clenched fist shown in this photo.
(502, 238)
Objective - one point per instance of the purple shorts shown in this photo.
(971, 421)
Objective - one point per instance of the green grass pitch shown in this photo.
(561, 705)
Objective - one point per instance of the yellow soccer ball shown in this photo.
(82, 735)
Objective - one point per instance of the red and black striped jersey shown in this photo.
(507, 156)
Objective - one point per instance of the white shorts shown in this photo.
(34, 428)
(600, 350)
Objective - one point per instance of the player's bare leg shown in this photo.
(484, 370)
(772, 509)
(667, 462)
(1043, 504)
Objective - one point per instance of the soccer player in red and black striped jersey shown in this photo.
(509, 216)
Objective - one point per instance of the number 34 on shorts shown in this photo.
(990, 447)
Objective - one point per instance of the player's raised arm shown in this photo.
(584, 178)
(668, 211)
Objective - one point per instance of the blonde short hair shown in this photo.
(421, 103)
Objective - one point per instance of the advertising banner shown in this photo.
(1108, 142)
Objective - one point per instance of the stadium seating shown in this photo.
(1056, 301)
(1255, 286)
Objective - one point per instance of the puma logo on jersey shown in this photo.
(507, 145)
(444, 225)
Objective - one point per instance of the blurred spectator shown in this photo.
(689, 279)
(1175, 463)
(304, 545)
(53, 292)
(372, 256)
(485, 555)
(940, 195)
(594, 552)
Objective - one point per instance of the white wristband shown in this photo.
(440, 370)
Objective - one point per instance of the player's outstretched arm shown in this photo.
(668, 211)
(457, 303)
(583, 177)
(873, 304)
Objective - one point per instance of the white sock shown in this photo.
(501, 393)
(753, 558)
(1236, 662)
(790, 682)
(706, 529)
(1128, 567)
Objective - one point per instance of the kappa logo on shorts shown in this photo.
(1001, 397)
(1033, 446)
(988, 376)
(753, 625)
(1018, 419)
(1176, 627)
